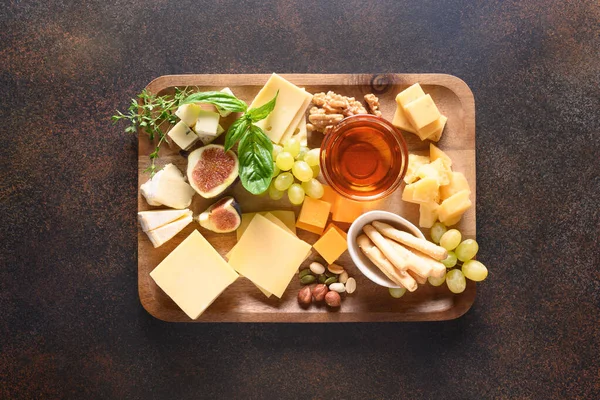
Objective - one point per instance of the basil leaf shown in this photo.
(223, 100)
(235, 132)
(260, 113)
(256, 161)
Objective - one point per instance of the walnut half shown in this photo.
(330, 108)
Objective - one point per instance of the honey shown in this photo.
(364, 157)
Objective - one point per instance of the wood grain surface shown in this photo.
(242, 301)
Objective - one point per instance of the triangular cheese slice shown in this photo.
(150, 220)
(161, 235)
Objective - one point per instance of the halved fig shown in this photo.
(211, 170)
(222, 217)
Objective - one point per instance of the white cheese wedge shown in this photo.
(193, 275)
(225, 113)
(289, 102)
(160, 236)
(182, 135)
(150, 220)
(168, 187)
(188, 113)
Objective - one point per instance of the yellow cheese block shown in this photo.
(285, 216)
(428, 214)
(435, 153)
(409, 95)
(454, 206)
(422, 191)
(452, 221)
(346, 210)
(268, 255)
(400, 121)
(414, 163)
(437, 135)
(438, 170)
(193, 275)
(457, 183)
(278, 222)
(289, 102)
(300, 133)
(422, 112)
(295, 127)
(313, 215)
(432, 129)
(331, 245)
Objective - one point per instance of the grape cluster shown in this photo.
(460, 255)
(295, 163)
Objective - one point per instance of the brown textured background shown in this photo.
(71, 325)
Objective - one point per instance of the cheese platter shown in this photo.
(269, 258)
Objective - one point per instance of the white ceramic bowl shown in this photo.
(365, 265)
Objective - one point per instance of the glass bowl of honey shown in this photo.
(364, 157)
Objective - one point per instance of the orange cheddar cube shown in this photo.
(346, 210)
(337, 228)
(331, 245)
(313, 215)
(329, 195)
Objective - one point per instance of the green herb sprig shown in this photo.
(151, 113)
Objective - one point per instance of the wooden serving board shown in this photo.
(242, 301)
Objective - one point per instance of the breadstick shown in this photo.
(437, 268)
(396, 259)
(424, 246)
(377, 258)
(421, 280)
(414, 263)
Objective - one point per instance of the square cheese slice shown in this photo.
(422, 112)
(285, 216)
(409, 95)
(193, 275)
(289, 102)
(401, 121)
(332, 244)
(295, 124)
(268, 255)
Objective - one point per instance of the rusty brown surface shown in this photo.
(71, 325)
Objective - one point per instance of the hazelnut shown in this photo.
(333, 299)
(305, 296)
(319, 292)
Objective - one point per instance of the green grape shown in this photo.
(313, 188)
(285, 161)
(302, 171)
(296, 194)
(450, 261)
(466, 250)
(312, 157)
(397, 292)
(273, 192)
(450, 239)
(302, 154)
(316, 170)
(436, 281)
(284, 181)
(276, 150)
(276, 170)
(474, 270)
(456, 281)
(436, 232)
(292, 146)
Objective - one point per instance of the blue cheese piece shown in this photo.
(182, 135)
(207, 126)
